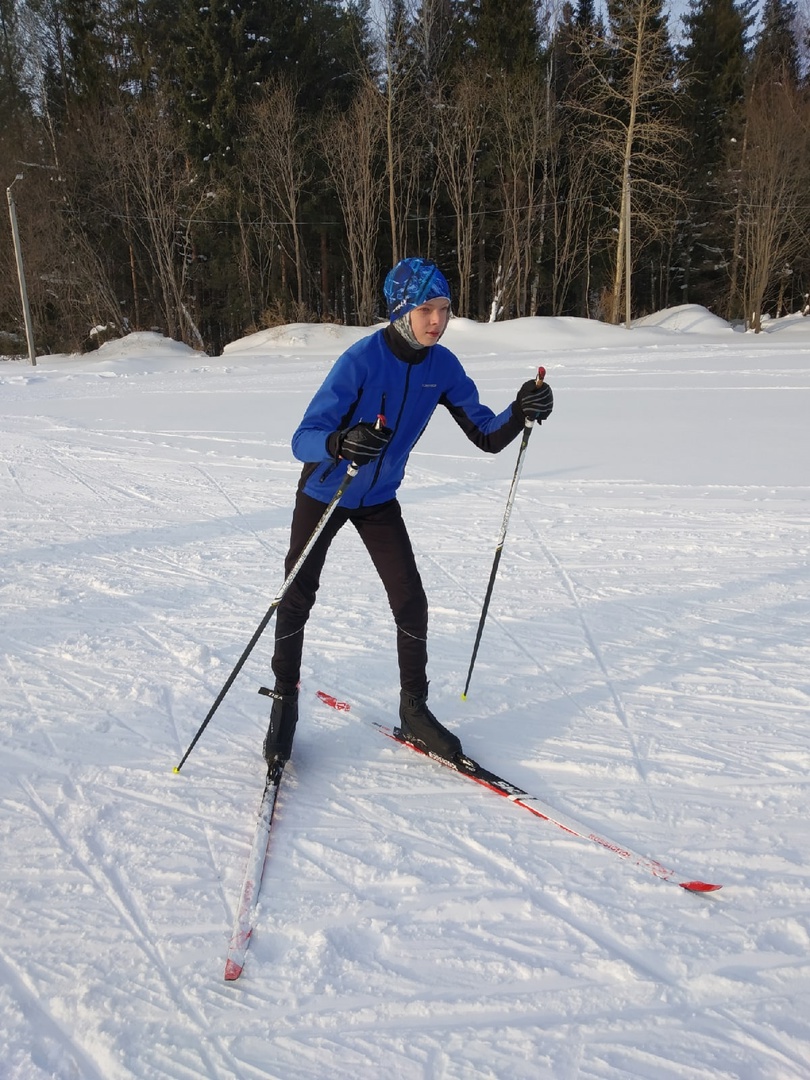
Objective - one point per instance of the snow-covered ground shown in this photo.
(644, 669)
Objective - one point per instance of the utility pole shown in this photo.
(15, 232)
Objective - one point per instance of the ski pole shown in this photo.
(524, 442)
(347, 479)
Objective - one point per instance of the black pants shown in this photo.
(386, 539)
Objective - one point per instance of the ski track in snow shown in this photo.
(643, 668)
(94, 862)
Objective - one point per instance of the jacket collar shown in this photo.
(401, 349)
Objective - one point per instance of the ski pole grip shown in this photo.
(530, 421)
(354, 468)
(381, 414)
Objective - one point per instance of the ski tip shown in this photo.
(233, 970)
(699, 886)
(341, 706)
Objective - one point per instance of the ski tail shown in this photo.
(243, 922)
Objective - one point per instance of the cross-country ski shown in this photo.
(248, 897)
(535, 806)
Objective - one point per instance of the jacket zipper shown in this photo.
(396, 425)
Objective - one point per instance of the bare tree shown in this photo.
(165, 200)
(403, 142)
(71, 276)
(772, 185)
(352, 145)
(625, 101)
(572, 199)
(519, 131)
(278, 148)
(460, 125)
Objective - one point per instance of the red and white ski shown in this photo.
(537, 807)
(243, 923)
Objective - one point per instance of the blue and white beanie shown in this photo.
(412, 282)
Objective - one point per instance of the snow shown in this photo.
(643, 670)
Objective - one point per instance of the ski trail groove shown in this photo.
(565, 578)
(25, 996)
(769, 1043)
(609, 942)
(59, 459)
(112, 887)
(245, 529)
(493, 618)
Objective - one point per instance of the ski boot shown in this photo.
(281, 730)
(419, 726)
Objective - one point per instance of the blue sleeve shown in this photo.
(489, 431)
(349, 394)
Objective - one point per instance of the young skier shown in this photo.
(401, 373)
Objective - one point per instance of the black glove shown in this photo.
(535, 402)
(363, 443)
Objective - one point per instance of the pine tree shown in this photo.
(776, 53)
(585, 15)
(715, 59)
(216, 58)
(14, 104)
(136, 74)
(77, 44)
(439, 37)
(504, 38)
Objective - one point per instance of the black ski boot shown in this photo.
(283, 718)
(419, 726)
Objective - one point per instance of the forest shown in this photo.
(209, 169)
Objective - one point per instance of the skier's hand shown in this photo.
(363, 443)
(535, 402)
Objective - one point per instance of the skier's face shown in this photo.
(429, 320)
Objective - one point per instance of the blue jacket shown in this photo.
(369, 379)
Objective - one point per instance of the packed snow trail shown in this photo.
(644, 665)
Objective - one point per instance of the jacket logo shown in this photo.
(429, 385)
